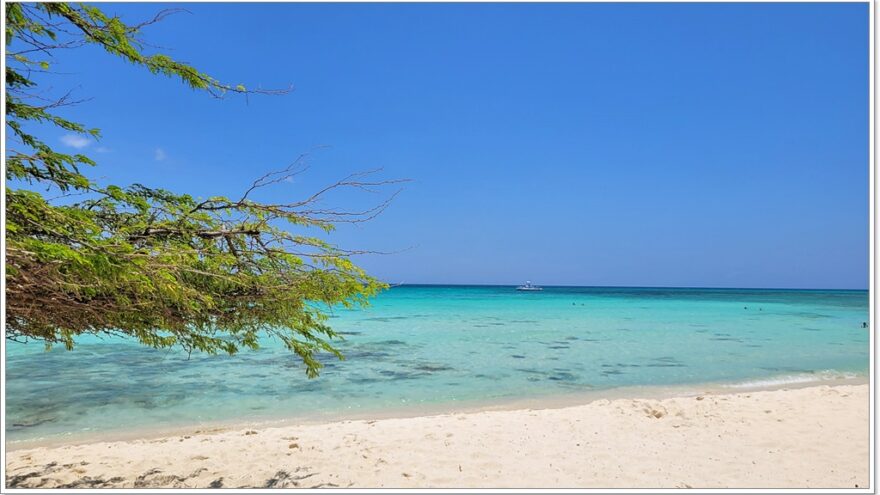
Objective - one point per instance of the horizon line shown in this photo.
(404, 284)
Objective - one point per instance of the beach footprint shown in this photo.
(655, 412)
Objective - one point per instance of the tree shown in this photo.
(167, 269)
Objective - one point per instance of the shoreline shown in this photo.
(811, 436)
(544, 402)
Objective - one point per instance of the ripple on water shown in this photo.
(433, 368)
(563, 376)
(386, 319)
(402, 374)
(665, 362)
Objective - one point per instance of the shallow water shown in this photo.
(442, 345)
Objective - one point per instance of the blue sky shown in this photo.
(721, 145)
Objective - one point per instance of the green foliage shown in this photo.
(167, 269)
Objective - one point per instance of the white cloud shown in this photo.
(160, 154)
(101, 149)
(75, 141)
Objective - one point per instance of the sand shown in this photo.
(813, 437)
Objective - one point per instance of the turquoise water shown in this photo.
(442, 346)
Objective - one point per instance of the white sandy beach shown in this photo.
(807, 437)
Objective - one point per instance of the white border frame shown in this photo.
(871, 291)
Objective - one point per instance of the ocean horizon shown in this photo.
(683, 287)
(441, 347)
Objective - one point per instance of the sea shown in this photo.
(435, 349)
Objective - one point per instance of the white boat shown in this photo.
(528, 287)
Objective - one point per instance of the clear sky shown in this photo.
(721, 145)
